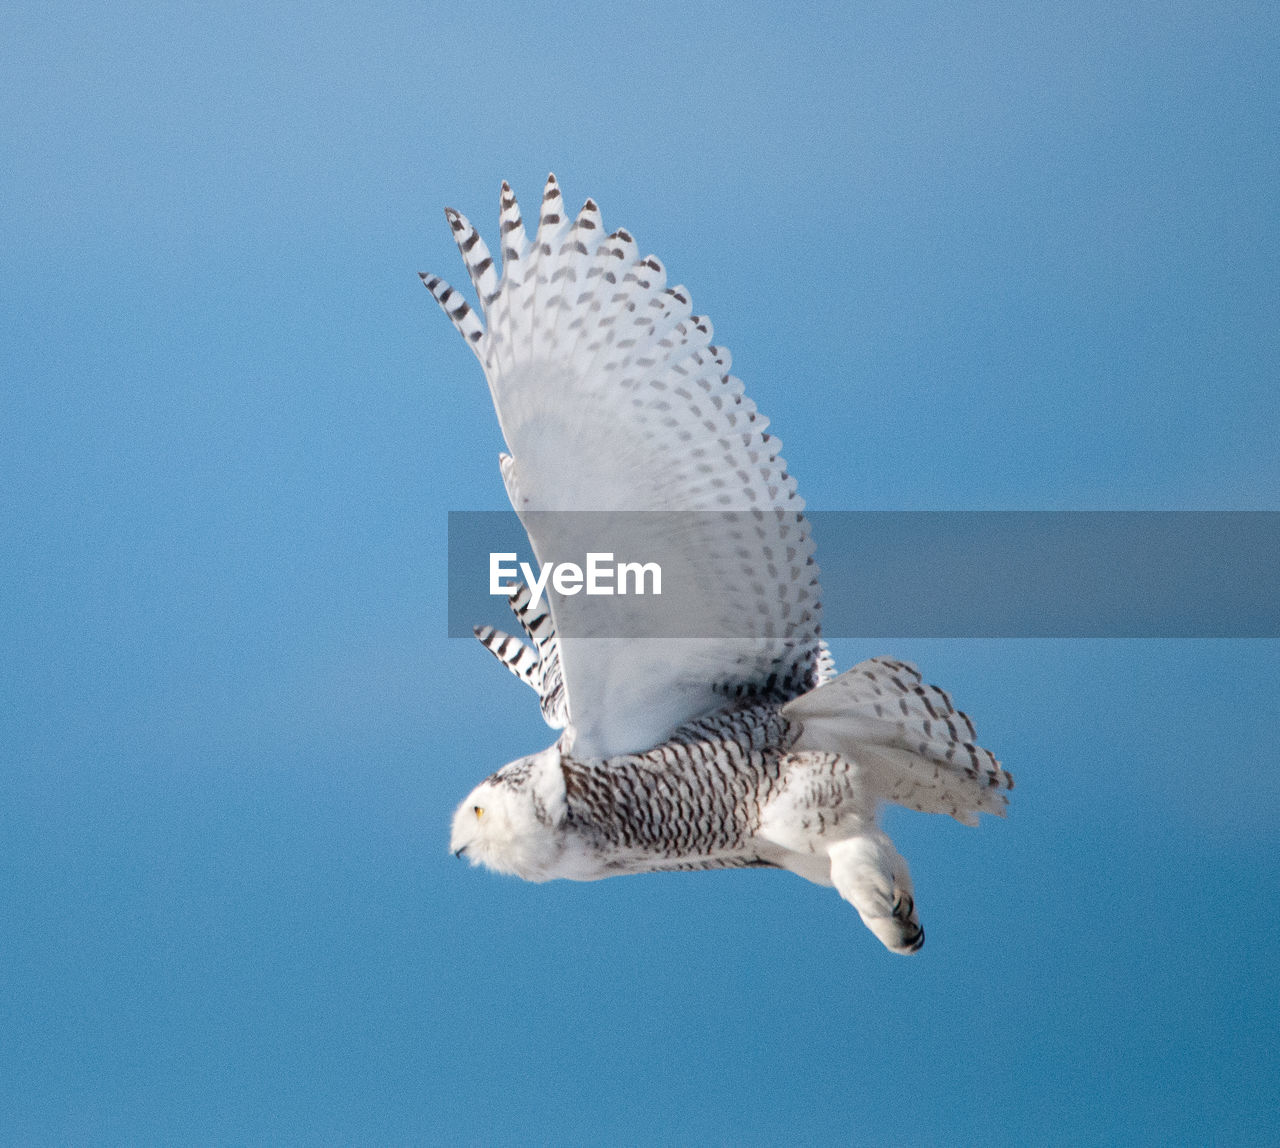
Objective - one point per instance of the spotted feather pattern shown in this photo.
(692, 803)
(825, 665)
(612, 396)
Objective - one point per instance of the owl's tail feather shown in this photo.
(918, 748)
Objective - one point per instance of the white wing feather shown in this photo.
(612, 397)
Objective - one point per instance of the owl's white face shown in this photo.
(508, 823)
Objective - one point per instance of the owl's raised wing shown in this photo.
(612, 398)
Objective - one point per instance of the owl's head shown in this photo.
(511, 821)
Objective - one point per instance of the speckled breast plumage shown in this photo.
(692, 803)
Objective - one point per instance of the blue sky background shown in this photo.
(966, 255)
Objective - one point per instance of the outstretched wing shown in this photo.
(612, 397)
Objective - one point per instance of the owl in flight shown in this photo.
(739, 748)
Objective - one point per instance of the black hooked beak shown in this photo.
(460, 852)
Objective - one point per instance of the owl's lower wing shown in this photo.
(612, 398)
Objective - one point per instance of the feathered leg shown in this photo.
(871, 875)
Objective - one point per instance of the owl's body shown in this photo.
(736, 749)
(750, 786)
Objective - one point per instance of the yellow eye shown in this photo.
(479, 810)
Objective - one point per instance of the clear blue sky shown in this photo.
(966, 255)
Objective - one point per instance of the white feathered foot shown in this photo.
(871, 875)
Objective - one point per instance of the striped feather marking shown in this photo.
(520, 659)
(511, 227)
(456, 307)
(538, 666)
(475, 254)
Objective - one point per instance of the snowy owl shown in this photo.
(690, 752)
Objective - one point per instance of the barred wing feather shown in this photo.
(612, 397)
